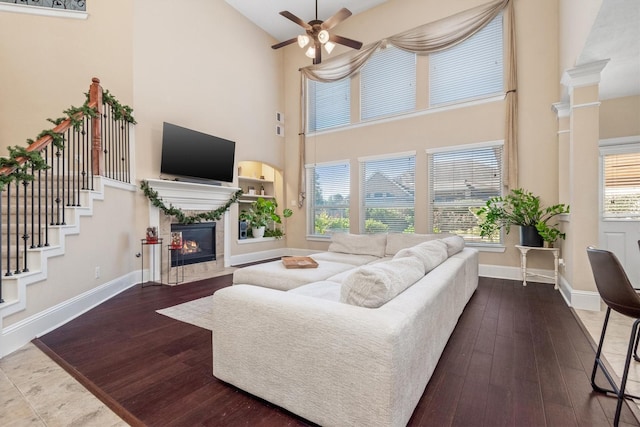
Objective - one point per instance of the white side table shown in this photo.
(523, 263)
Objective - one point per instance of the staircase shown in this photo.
(48, 186)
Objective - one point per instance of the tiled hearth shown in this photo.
(192, 198)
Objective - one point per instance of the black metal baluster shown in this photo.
(17, 270)
(40, 209)
(9, 273)
(46, 199)
(25, 234)
(62, 173)
(33, 211)
(83, 154)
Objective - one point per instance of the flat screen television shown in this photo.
(196, 155)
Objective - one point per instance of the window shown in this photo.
(328, 104)
(621, 186)
(460, 182)
(471, 69)
(328, 201)
(388, 83)
(388, 196)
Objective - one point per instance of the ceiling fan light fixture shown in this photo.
(328, 46)
(323, 36)
(303, 40)
(311, 52)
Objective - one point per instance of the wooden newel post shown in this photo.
(95, 95)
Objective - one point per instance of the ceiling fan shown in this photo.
(318, 34)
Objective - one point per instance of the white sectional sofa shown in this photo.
(354, 344)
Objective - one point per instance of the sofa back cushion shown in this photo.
(454, 244)
(431, 253)
(398, 241)
(359, 244)
(373, 285)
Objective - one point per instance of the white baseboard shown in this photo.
(583, 300)
(20, 333)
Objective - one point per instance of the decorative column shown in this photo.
(581, 183)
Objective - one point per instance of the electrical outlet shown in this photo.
(97, 272)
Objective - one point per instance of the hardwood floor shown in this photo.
(517, 357)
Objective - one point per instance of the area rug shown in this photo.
(197, 312)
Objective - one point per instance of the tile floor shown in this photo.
(615, 343)
(35, 391)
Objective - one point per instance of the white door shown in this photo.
(620, 202)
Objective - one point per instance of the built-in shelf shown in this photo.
(246, 182)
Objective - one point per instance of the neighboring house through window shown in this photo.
(388, 193)
(461, 180)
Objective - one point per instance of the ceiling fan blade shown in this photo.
(295, 19)
(354, 44)
(337, 18)
(284, 43)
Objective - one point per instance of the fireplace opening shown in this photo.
(198, 243)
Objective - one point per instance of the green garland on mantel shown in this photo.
(214, 215)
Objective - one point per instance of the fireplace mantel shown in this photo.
(190, 195)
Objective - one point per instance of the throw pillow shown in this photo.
(432, 253)
(374, 285)
(359, 244)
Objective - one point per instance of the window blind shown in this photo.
(328, 204)
(471, 69)
(621, 185)
(388, 196)
(388, 83)
(328, 104)
(460, 182)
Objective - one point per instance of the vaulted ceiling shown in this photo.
(615, 34)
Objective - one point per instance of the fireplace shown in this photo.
(198, 243)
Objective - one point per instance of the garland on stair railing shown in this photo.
(182, 218)
(24, 162)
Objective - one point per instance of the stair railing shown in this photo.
(35, 190)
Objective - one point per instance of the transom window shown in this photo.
(329, 104)
(469, 70)
(388, 83)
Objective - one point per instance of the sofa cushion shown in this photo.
(324, 289)
(454, 244)
(274, 275)
(359, 244)
(373, 285)
(397, 241)
(352, 259)
(431, 253)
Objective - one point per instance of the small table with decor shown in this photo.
(523, 263)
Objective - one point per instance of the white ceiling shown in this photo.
(265, 13)
(615, 34)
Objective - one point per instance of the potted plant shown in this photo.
(522, 208)
(261, 213)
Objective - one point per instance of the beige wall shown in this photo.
(48, 63)
(538, 89)
(620, 117)
(205, 67)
